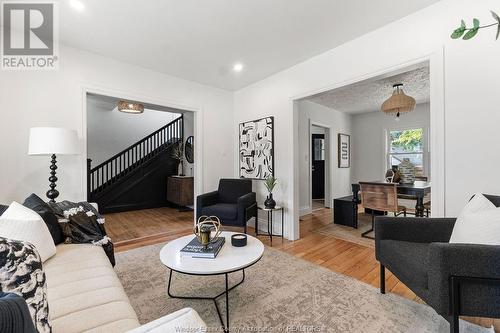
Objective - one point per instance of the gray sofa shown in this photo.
(454, 279)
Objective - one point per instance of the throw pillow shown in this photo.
(21, 223)
(36, 204)
(3, 208)
(478, 223)
(21, 273)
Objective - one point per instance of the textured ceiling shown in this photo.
(200, 40)
(367, 96)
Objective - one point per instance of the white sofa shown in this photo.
(85, 295)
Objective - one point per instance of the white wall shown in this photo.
(56, 98)
(338, 179)
(368, 141)
(471, 72)
(110, 131)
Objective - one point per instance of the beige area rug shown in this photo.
(350, 234)
(281, 293)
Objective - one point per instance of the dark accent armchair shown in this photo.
(454, 279)
(233, 203)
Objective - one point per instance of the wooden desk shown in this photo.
(419, 189)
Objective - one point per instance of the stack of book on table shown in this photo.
(194, 249)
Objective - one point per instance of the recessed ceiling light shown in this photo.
(238, 67)
(78, 5)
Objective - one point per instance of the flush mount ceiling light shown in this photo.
(399, 102)
(238, 67)
(130, 107)
(77, 5)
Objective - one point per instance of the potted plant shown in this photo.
(178, 154)
(270, 183)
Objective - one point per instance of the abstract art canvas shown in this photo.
(344, 152)
(256, 148)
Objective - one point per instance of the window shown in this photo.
(407, 143)
(319, 149)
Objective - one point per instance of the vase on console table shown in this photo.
(407, 171)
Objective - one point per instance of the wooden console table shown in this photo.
(180, 190)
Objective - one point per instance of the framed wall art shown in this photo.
(256, 148)
(344, 153)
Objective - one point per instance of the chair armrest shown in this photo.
(465, 260)
(204, 200)
(245, 201)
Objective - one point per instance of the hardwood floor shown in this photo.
(140, 228)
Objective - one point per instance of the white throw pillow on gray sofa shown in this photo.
(478, 223)
(23, 224)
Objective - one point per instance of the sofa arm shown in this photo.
(463, 260)
(245, 202)
(184, 320)
(204, 200)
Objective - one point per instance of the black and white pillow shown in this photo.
(21, 273)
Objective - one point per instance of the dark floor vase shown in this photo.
(270, 203)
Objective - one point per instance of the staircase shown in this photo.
(136, 178)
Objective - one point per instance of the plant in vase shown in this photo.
(270, 183)
(178, 154)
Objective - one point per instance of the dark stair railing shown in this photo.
(110, 171)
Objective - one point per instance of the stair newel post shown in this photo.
(89, 175)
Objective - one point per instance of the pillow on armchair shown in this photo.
(21, 273)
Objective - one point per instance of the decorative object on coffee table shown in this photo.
(344, 150)
(239, 240)
(204, 228)
(270, 183)
(407, 170)
(53, 141)
(256, 148)
(230, 260)
(270, 212)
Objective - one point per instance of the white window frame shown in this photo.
(425, 146)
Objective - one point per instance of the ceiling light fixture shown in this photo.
(238, 67)
(130, 107)
(399, 102)
(78, 5)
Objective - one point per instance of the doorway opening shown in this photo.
(140, 166)
(319, 159)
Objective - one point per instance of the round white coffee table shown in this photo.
(229, 260)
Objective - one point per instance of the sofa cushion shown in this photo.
(21, 223)
(408, 261)
(221, 210)
(21, 273)
(36, 204)
(184, 320)
(84, 292)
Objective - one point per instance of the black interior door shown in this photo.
(318, 166)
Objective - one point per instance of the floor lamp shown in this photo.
(52, 141)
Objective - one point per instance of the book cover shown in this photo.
(196, 250)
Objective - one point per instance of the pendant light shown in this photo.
(399, 102)
(130, 107)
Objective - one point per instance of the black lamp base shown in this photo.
(52, 193)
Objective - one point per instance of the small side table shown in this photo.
(270, 212)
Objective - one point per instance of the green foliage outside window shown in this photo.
(407, 140)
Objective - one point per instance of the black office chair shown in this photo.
(454, 279)
(233, 203)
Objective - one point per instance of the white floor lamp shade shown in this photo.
(53, 141)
